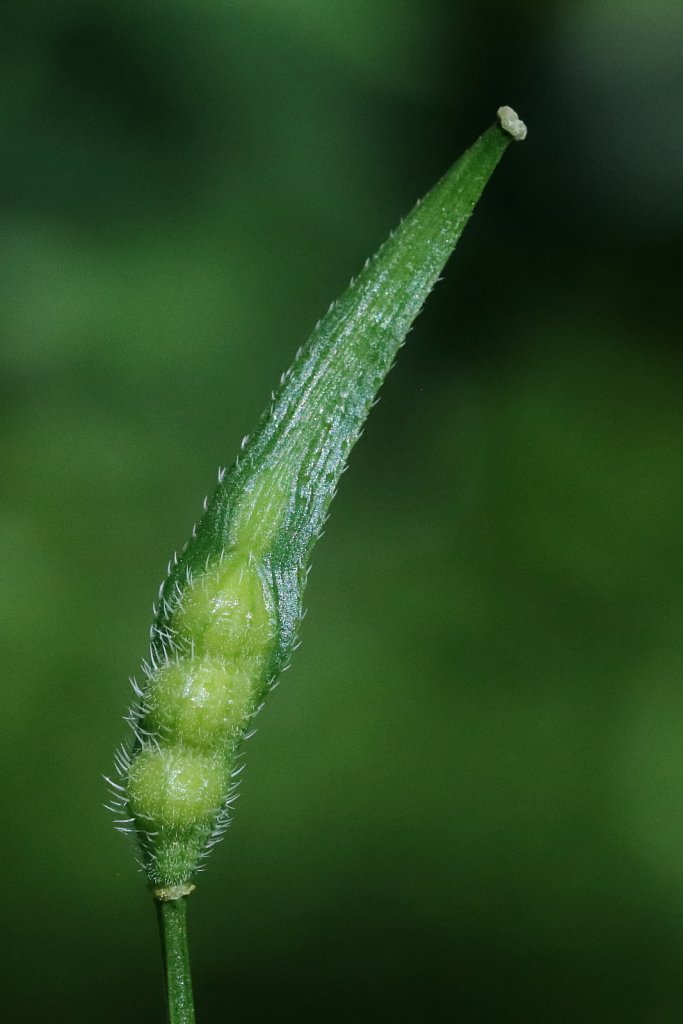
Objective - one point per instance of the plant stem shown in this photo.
(172, 915)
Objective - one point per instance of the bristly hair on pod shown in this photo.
(227, 615)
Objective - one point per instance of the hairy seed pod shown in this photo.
(229, 609)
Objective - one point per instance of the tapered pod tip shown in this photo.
(510, 123)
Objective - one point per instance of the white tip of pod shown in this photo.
(510, 123)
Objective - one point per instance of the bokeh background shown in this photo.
(465, 802)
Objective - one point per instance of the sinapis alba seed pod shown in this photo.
(228, 611)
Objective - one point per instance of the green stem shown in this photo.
(172, 915)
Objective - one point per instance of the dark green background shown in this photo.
(465, 802)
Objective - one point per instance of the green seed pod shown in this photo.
(229, 609)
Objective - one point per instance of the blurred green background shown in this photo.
(465, 802)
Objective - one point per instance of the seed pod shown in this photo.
(229, 609)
